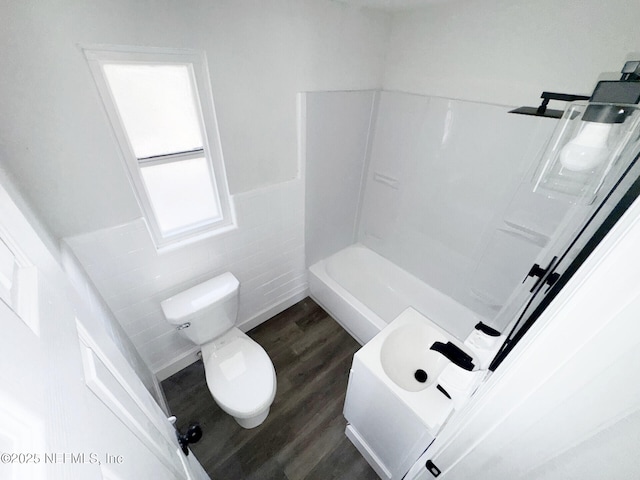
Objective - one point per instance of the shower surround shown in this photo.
(439, 188)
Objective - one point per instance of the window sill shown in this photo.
(184, 242)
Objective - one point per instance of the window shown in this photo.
(161, 109)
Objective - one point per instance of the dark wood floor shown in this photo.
(303, 437)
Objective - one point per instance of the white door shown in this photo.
(70, 404)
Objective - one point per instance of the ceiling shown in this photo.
(392, 5)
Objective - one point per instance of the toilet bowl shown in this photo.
(240, 377)
(239, 373)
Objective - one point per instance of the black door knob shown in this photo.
(194, 433)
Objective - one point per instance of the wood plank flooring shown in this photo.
(303, 437)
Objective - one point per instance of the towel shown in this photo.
(460, 384)
(483, 347)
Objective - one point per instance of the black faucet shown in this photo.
(453, 353)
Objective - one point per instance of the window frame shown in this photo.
(195, 60)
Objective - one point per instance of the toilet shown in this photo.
(239, 373)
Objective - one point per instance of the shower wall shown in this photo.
(446, 191)
(335, 129)
(447, 195)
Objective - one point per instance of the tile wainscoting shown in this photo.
(265, 252)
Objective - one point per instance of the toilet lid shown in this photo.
(241, 377)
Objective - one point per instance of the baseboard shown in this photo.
(175, 365)
(366, 451)
(187, 358)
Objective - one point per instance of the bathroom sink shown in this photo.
(402, 362)
(401, 392)
(406, 357)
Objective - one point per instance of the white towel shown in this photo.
(483, 347)
(460, 383)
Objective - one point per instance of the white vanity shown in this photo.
(394, 407)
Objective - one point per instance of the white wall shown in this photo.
(56, 138)
(509, 51)
(336, 126)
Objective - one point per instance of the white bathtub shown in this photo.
(364, 292)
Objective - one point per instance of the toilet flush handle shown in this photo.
(183, 326)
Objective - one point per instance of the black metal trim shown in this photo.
(543, 111)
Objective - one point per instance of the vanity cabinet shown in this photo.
(384, 429)
(392, 414)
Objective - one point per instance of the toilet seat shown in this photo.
(239, 373)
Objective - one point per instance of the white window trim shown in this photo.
(97, 56)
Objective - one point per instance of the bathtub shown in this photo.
(364, 292)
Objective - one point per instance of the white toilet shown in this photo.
(239, 373)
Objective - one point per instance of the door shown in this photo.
(71, 406)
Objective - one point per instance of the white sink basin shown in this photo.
(398, 351)
(392, 415)
(407, 359)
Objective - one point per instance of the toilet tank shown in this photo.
(210, 307)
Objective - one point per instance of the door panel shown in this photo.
(70, 404)
(131, 413)
(22, 396)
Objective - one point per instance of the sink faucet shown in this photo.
(454, 354)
